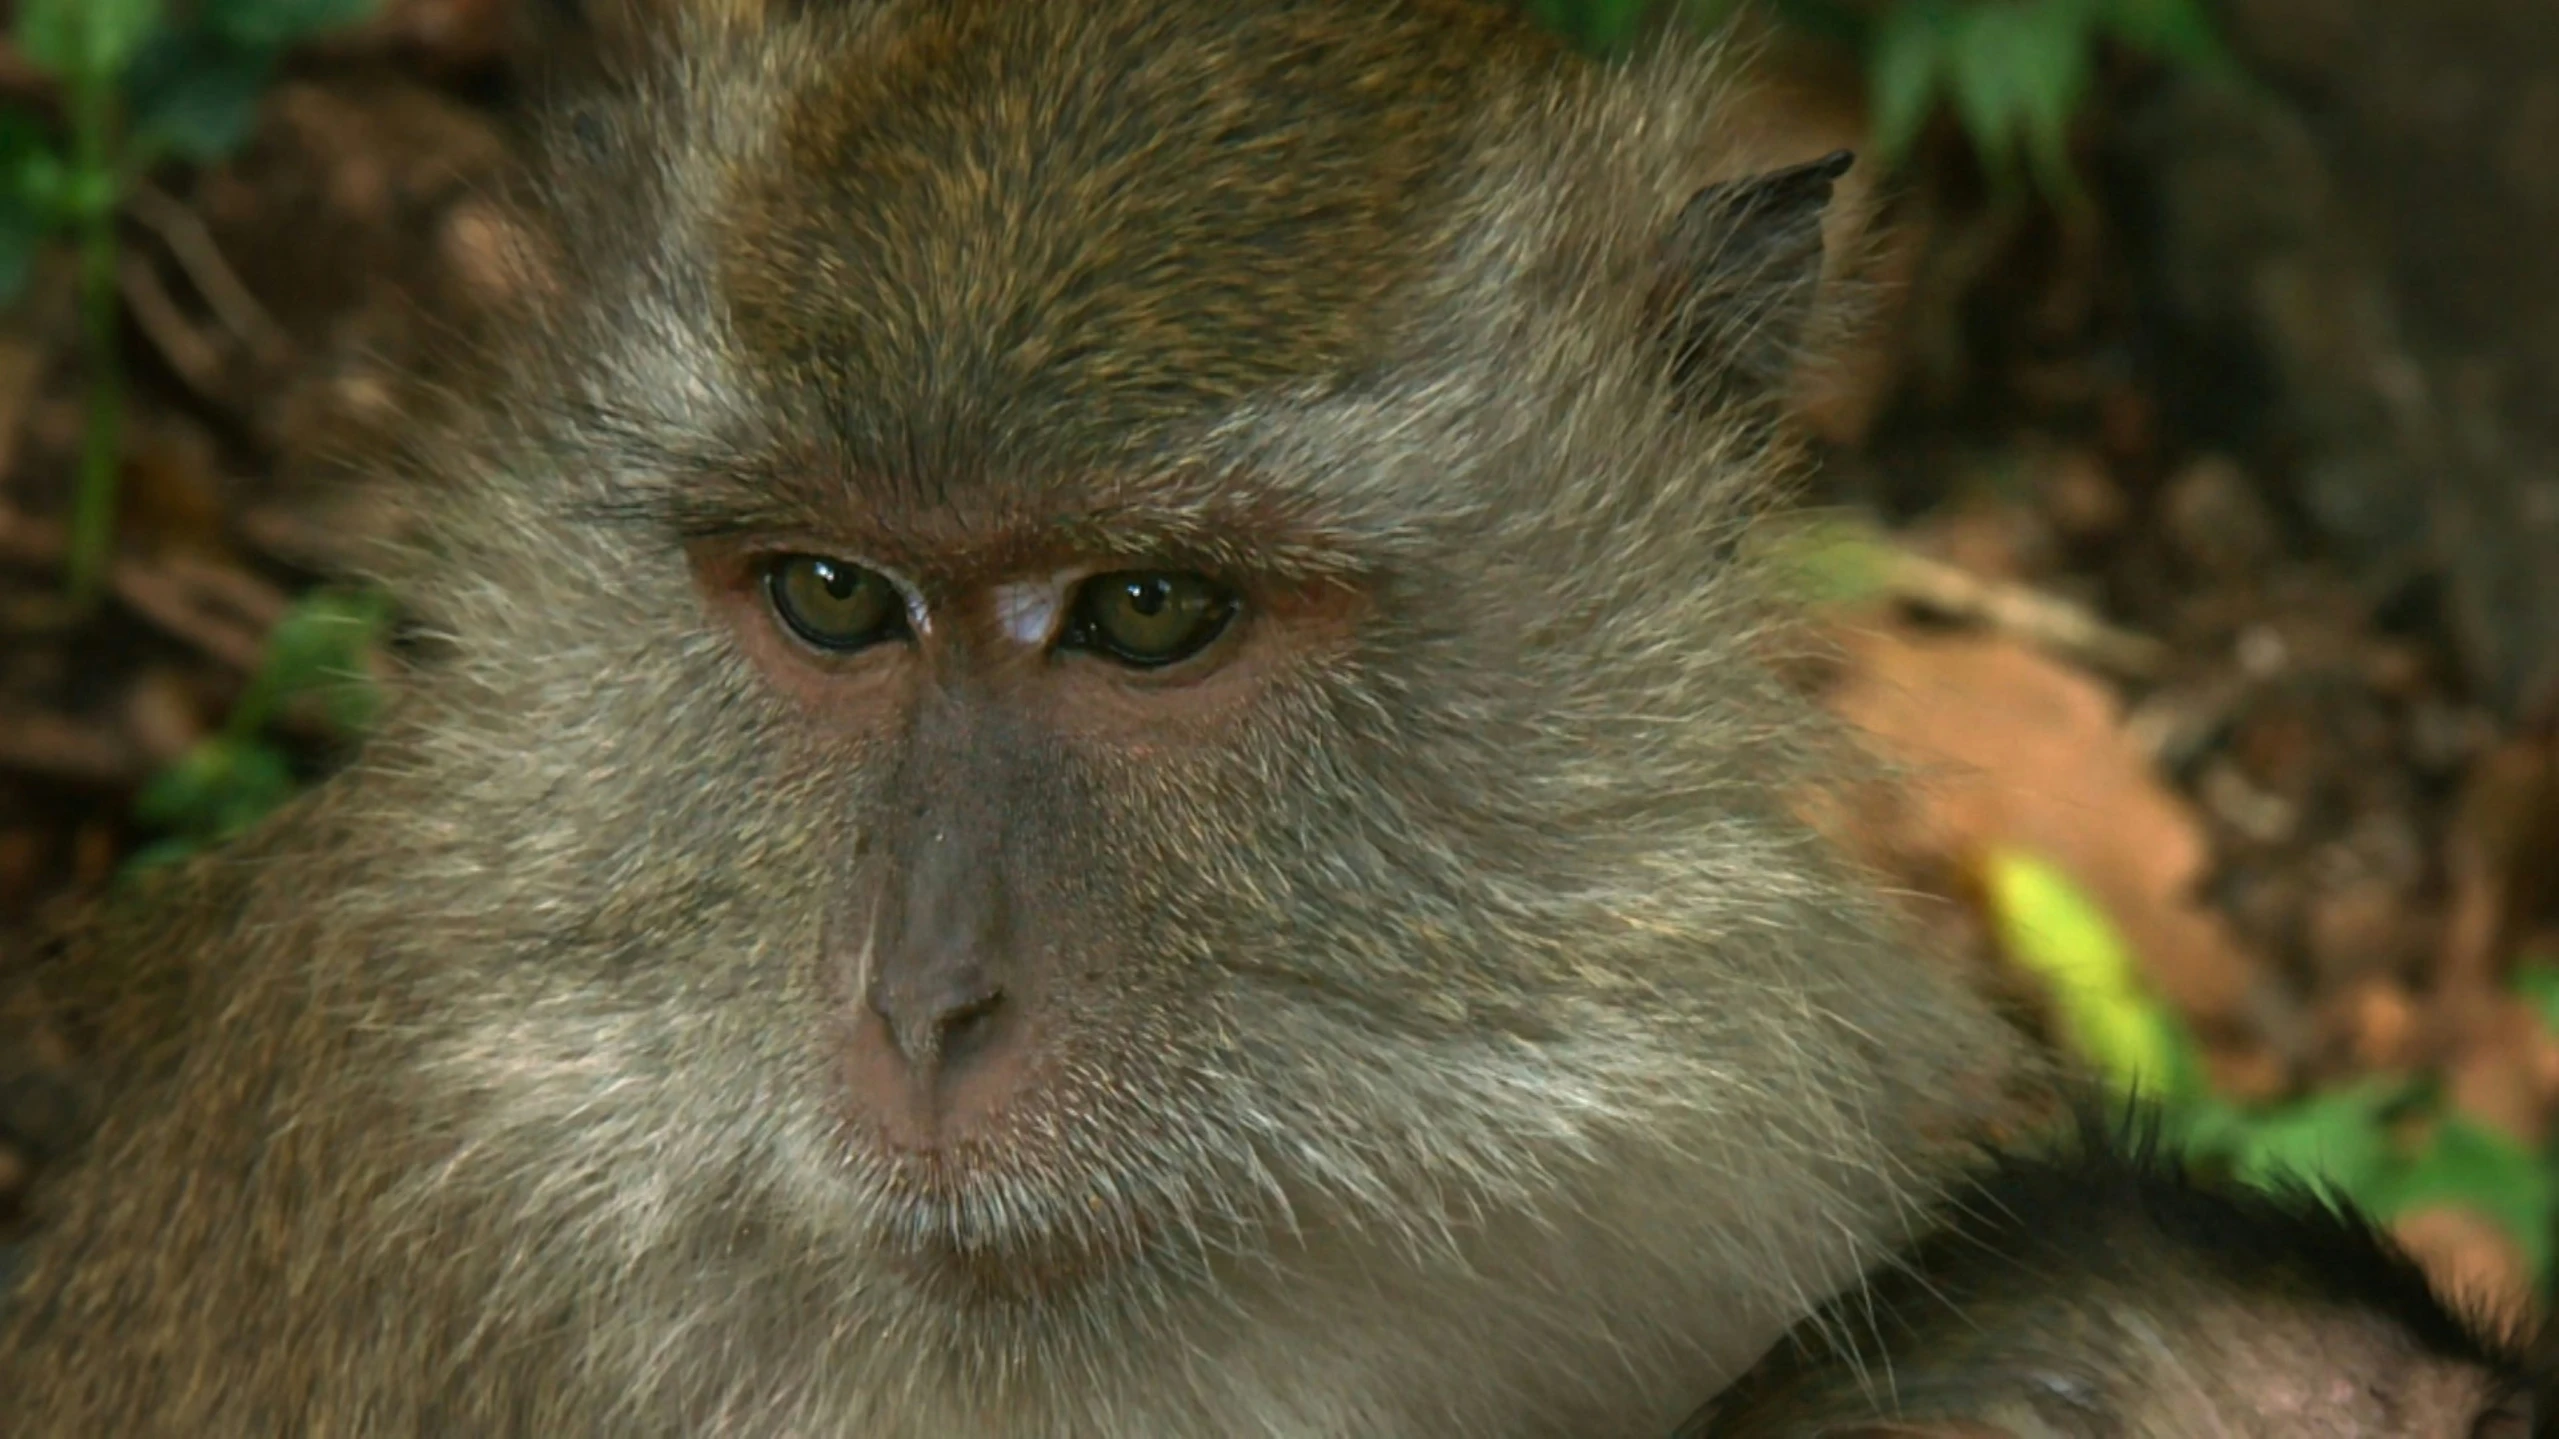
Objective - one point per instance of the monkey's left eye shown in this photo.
(1149, 618)
(834, 605)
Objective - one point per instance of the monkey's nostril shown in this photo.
(968, 1026)
(941, 1058)
(937, 1026)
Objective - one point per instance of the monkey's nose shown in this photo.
(940, 1018)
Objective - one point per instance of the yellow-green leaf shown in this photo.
(1834, 558)
(2049, 928)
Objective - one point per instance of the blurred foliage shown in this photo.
(1823, 557)
(2388, 1145)
(1600, 26)
(316, 670)
(2013, 73)
(141, 84)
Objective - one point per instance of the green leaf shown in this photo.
(2478, 1168)
(318, 649)
(2049, 47)
(1838, 22)
(159, 854)
(2177, 30)
(230, 782)
(219, 788)
(22, 234)
(194, 94)
(2049, 928)
(32, 170)
(2019, 71)
(274, 24)
(2207, 1129)
(2537, 984)
(1902, 72)
(1834, 558)
(31, 182)
(1977, 67)
(1609, 24)
(1595, 25)
(83, 39)
(2337, 1143)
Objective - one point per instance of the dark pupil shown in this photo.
(1149, 596)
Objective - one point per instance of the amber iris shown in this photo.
(1149, 618)
(833, 604)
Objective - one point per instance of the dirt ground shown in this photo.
(2223, 512)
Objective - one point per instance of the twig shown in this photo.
(21, 367)
(2031, 615)
(287, 534)
(169, 600)
(20, 80)
(93, 504)
(220, 610)
(183, 232)
(252, 599)
(48, 744)
(179, 342)
(26, 540)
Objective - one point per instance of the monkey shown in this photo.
(2105, 1288)
(1096, 760)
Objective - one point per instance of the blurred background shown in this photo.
(2186, 526)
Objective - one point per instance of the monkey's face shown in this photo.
(1175, 690)
(1042, 764)
(1134, 871)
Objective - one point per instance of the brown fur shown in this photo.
(1445, 1031)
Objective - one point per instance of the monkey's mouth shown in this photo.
(986, 1226)
(1062, 1191)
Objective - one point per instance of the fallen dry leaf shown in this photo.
(2380, 1020)
(2472, 1260)
(2496, 858)
(2004, 746)
(2495, 1073)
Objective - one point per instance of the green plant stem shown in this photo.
(92, 549)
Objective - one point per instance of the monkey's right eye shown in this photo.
(834, 605)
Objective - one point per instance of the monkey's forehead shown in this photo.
(1095, 216)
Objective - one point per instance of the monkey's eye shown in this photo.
(834, 605)
(1148, 618)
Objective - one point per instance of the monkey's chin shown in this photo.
(974, 1230)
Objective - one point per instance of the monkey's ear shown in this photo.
(1740, 269)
